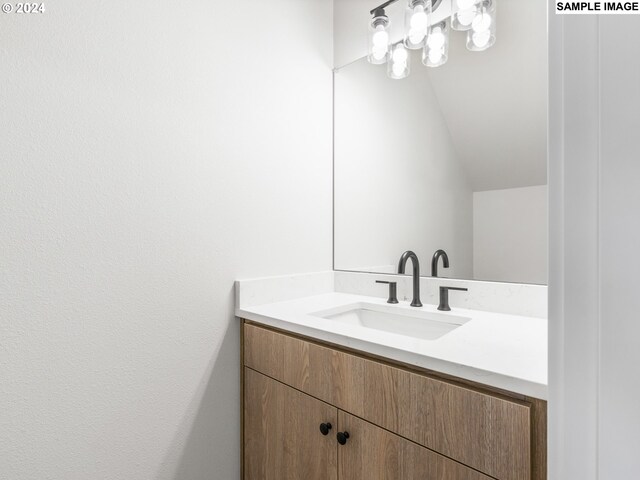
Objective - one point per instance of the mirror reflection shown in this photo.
(451, 158)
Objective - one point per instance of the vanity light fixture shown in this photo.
(476, 17)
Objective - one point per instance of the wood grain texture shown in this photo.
(489, 432)
(398, 364)
(328, 374)
(485, 432)
(242, 398)
(538, 439)
(282, 439)
(264, 351)
(336, 378)
(372, 453)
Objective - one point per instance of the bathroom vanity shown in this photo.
(313, 410)
(328, 397)
(442, 377)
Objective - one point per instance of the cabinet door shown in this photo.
(282, 437)
(372, 453)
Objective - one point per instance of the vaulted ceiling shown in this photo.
(495, 102)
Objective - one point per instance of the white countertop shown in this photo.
(496, 349)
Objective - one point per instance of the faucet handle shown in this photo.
(393, 291)
(444, 297)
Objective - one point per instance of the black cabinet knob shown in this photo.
(342, 437)
(324, 428)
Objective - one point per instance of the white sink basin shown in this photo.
(416, 323)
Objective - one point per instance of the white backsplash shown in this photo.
(513, 298)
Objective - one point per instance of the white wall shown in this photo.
(150, 155)
(594, 237)
(510, 235)
(398, 185)
(495, 102)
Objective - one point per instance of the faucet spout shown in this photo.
(416, 275)
(434, 261)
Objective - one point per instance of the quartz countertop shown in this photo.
(496, 349)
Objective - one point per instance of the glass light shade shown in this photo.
(399, 64)
(416, 23)
(482, 34)
(379, 39)
(436, 47)
(464, 11)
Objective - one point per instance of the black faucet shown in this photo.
(444, 297)
(416, 275)
(434, 261)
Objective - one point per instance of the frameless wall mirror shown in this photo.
(452, 157)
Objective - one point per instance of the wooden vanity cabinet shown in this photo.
(282, 437)
(402, 424)
(283, 440)
(372, 453)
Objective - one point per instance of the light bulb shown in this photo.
(437, 46)
(398, 69)
(482, 34)
(379, 53)
(436, 39)
(417, 15)
(481, 22)
(435, 56)
(465, 17)
(416, 36)
(380, 38)
(481, 39)
(419, 20)
(398, 63)
(400, 54)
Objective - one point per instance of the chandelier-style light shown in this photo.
(476, 17)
